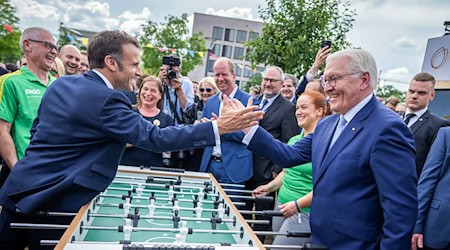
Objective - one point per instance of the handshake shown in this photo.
(234, 116)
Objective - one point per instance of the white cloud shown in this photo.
(398, 77)
(93, 16)
(406, 43)
(132, 23)
(30, 9)
(243, 13)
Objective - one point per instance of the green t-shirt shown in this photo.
(297, 181)
(20, 95)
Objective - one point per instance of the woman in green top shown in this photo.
(294, 185)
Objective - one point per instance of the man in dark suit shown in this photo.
(79, 136)
(423, 124)
(432, 228)
(280, 121)
(364, 178)
(230, 161)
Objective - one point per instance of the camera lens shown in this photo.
(172, 74)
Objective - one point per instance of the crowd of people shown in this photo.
(355, 171)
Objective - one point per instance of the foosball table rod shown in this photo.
(120, 228)
(298, 247)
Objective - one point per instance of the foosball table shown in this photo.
(147, 209)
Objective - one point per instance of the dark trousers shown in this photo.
(13, 239)
(259, 206)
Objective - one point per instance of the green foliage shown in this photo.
(387, 91)
(294, 30)
(173, 33)
(9, 42)
(255, 80)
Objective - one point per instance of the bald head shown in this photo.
(71, 57)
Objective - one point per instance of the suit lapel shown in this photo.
(325, 139)
(422, 120)
(347, 135)
(274, 106)
(214, 103)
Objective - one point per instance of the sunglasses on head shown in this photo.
(205, 89)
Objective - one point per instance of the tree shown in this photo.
(293, 32)
(9, 33)
(170, 38)
(387, 91)
(255, 80)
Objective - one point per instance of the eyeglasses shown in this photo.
(48, 45)
(205, 89)
(332, 79)
(265, 79)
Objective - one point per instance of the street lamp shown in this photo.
(211, 46)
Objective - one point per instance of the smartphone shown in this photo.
(326, 43)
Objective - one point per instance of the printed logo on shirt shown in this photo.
(32, 92)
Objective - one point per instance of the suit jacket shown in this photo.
(236, 158)
(434, 195)
(280, 121)
(424, 131)
(365, 193)
(77, 141)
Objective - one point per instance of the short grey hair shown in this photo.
(277, 69)
(32, 33)
(360, 60)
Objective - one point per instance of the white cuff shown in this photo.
(249, 136)
(216, 132)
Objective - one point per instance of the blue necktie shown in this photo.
(338, 131)
(264, 105)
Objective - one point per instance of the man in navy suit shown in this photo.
(79, 136)
(364, 177)
(432, 229)
(230, 161)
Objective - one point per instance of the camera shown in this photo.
(326, 43)
(172, 62)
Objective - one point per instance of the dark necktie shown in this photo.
(264, 105)
(408, 117)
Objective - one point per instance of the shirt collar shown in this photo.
(232, 94)
(107, 82)
(270, 100)
(418, 113)
(353, 111)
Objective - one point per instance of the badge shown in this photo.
(156, 122)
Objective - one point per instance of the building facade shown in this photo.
(225, 37)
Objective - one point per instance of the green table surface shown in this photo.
(150, 236)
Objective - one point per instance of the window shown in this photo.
(260, 69)
(248, 72)
(217, 33)
(211, 66)
(226, 51)
(238, 69)
(229, 35)
(216, 49)
(241, 36)
(252, 35)
(238, 53)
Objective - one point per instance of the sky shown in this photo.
(394, 31)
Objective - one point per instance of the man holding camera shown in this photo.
(178, 91)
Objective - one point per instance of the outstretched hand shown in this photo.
(234, 116)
